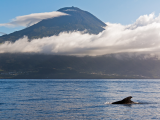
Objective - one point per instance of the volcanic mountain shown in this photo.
(76, 20)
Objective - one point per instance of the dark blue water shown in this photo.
(78, 99)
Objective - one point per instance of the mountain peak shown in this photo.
(69, 9)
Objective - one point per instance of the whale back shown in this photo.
(126, 100)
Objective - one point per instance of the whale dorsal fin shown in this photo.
(126, 100)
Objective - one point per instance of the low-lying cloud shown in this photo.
(143, 36)
(28, 20)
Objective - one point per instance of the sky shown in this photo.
(133, 26)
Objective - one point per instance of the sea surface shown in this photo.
(78, 99)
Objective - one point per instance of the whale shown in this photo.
(126, 100)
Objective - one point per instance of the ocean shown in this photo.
(79, 99)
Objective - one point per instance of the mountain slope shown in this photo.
(76, 20)
(41, 66)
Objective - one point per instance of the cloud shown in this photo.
(116, 38)
(145, 20)
(28, 20)
(2, 33)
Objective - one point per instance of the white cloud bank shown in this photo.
(145, 20)
(28, 20)
(116, 38)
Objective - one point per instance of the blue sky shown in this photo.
(114, 11)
